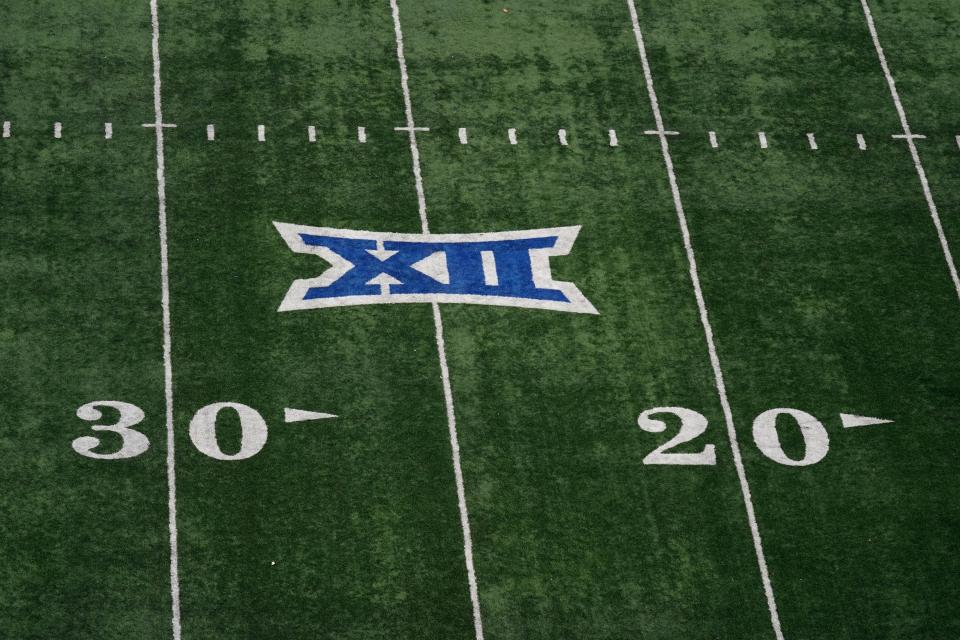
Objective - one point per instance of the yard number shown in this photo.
(693, 424)
(203, 430)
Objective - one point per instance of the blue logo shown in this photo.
(510, 269)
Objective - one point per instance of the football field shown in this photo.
(449, 319)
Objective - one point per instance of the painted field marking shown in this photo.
(908, 136)
(261, 133)
(849, 421)
(957, 139)
(562, 137)
(6, 129)
(861, 142)
(159, 126)
(707, 330)
(57, 130)
(361, 134)
(915, 154)
(311, 133)
(438, 327)
(512, 136)
(660, 132)
(301, 415)
(108, 130)
(462, 135)
(763, 140)
(812, 140)
(211, 132)
(613, 138)
(713, 140)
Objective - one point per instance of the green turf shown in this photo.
(827, 289)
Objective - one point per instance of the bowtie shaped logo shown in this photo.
(510, 268)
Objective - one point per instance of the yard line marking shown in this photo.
(57, 130)
(713, 139)
(812, 139)
(707, 329)
(763, 140)
(409, 128)
(261, 133)
(165, 306)
(462, 134)
(361, 134)
(312, 133)
(211, 132)
(6, 130)
(512, 136)
(108, 130)
(661, 131)
(562, 136)
(909, 137)
(613, 138)
(438, 326)
(861, 142)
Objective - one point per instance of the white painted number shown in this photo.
(768, 440)
(203, 431)
(692, 424)
(132, 443)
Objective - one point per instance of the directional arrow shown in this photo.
(434, 266)
(384, 280)
(849, 420)
(299, 415)
(380, 253)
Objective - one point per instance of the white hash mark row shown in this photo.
(513, 137)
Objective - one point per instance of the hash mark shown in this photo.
(261, 133)
(57, 130)
(861, 142)
(361, 134)
(108, 130)
(613, 138)
(512, 136)
(312, 133)
(562, 135)
(813, 141)
(713, 139)
(462, 134)
(763, 140)
(211, 132)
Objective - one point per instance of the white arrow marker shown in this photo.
(849, 420)
(384, 280)
(299, 415)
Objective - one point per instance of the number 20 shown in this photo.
(694, 424)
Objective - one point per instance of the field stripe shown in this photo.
(909, 137)
(707, 329)
(438, 326)
(165, 305)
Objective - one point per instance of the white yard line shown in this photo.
(438, 326)
(909, 137)
(165, 306)
(707, 329)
